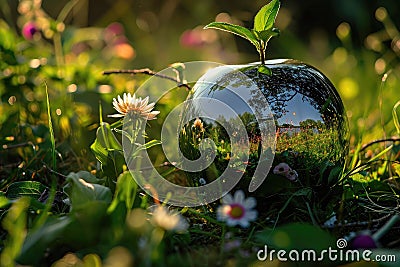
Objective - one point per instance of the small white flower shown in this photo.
(137, 106)
(237, 210)
(169, 220)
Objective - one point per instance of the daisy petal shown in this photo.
(250, 203)
(244, 223)
(231, 222)
(239, 196)
(251, 215)
(227, 199)
(115, 115)
(145, 101)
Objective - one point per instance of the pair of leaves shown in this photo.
(263, 28)
(104, 143)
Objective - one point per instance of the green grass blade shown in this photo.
(383, 152)
(101, 113)
(51, 130)
(396, 116)
(354, 160)
(45, 213)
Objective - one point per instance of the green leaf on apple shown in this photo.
(235, 29)
(265, 18)
(262, 31)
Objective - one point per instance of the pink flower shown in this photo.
(29, 30)
(112, 31)
(116, 28)
(285, 170)
(281, 168)
(191, 38)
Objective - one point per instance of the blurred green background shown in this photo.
(64, 46)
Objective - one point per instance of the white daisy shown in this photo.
(137, 106)
(169, 220)
(237, 210)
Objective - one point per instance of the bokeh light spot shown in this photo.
(343, 30)
(381, 14)
(223, 17)
(340, 55)
(34, 63)
(380, 65)
(348, 88)
(11, 100)
(72, 88)
(105, 89)
(373, 43)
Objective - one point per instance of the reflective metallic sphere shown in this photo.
(308, 116)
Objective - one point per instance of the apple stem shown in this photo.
(261, 51)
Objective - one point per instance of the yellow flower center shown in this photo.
(236, 212)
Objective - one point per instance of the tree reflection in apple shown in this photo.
(309, 117)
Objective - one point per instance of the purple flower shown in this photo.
(363, 241)
(367, 240)
(29, 30)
